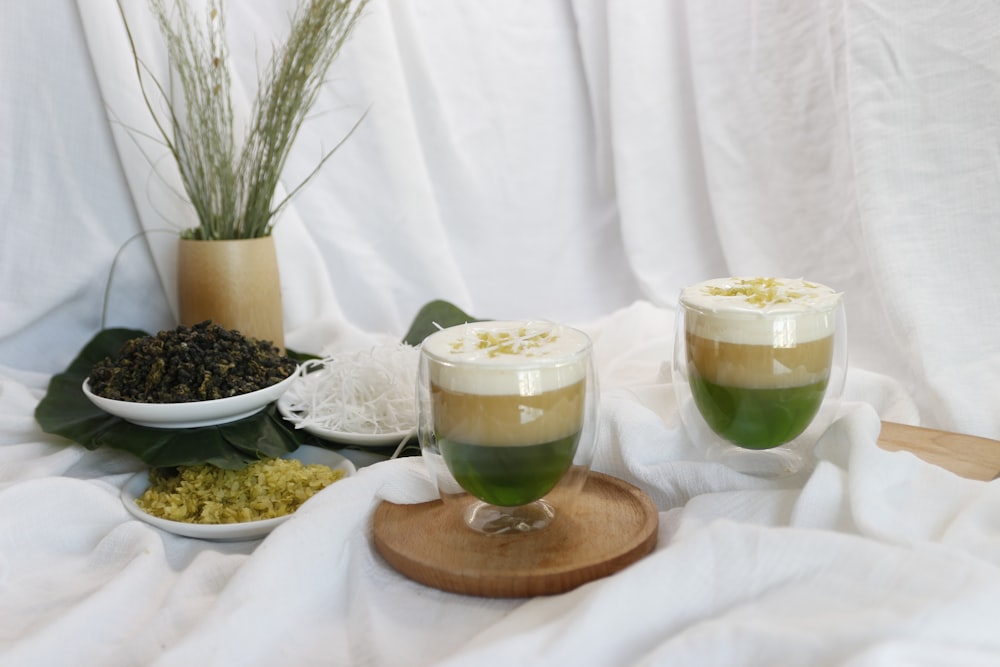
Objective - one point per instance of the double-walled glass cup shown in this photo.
(758, 368)
(507, 419)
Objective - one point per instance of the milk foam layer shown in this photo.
(779, 312)
(506, 357)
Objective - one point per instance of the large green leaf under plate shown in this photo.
(66, 411)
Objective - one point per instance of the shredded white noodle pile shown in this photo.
(365, 392)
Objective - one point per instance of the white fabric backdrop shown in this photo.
(555, 159)
(577, 160)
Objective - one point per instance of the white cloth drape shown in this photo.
(557, 159)
(578, 160)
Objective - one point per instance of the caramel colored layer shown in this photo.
(760, 366)
(486, 419)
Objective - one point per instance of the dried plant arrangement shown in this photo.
(232, 181)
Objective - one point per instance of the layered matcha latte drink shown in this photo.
(503, 405)
(758, 355)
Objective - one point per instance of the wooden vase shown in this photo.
(233, 283)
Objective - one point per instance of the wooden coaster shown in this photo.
(612, 525)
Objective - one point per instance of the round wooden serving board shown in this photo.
(612, 525)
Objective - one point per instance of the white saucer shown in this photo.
(191, 414)
(228, 532)
(345, 437)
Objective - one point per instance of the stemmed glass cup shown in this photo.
(507, 418)
(758, 369)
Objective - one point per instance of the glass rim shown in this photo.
(757, 315)
(571, 357)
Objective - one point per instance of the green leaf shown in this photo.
(66, 411)
(300, 357)
(432, 317)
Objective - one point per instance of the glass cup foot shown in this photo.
(768, 463)
(495, 520)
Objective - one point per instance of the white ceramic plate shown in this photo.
(345, 437)
(194, 413)
(228, 532)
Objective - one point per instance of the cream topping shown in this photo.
(761, 311)
(506, 357)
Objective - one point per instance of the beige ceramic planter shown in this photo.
(233, 283)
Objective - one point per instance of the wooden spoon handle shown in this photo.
(966, 455)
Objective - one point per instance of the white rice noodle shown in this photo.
(362, 392)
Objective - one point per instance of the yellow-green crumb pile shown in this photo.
(759, 291)
(209, 495)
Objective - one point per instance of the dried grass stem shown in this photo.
(230, 184)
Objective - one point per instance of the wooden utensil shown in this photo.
(966, 455)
